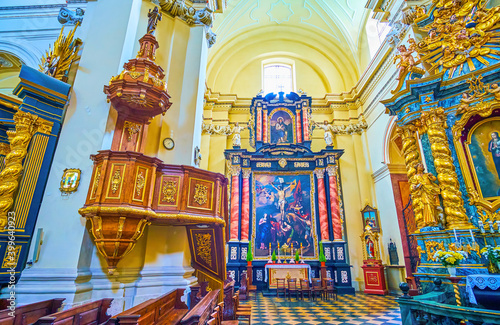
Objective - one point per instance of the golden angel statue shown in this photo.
(425, 196)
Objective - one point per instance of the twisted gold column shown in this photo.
(435, 122)
(412, 158)
(9, 177)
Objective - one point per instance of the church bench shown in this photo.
(92, 313)
(28, 314)
(200, 314)
(166, 309)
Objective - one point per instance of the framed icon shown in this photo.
(370, 218)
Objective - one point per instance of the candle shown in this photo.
(455, 232)
(472, 235)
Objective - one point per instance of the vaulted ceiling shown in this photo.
(325, 38)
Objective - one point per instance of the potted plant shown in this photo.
(297, 257)
(450, 260)
(249, 253)
(492, 254)
(273, 257)
(322, 257)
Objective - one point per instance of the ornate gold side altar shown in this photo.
(286, 271)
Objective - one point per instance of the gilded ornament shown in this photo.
(132, 128)
(57, 61)
(70, 180)
(11, 256)
(97, 179)
(432, 247)
(425, 198)
(204, 247)
(4, 148)
(200, 194)
(116, 181)
(169, 191)
(26, 125)
(282, 162)
(139, 183)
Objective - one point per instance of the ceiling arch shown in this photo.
(322, 35)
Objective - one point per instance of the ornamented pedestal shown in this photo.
(373, 270)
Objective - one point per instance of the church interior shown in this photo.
(249, 162)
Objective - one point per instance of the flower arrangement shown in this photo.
(449, 258)
(492, 253)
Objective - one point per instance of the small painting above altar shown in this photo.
(283, 213)
(282, 126)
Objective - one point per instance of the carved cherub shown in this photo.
(406, 60)
(464, 103)
(495, 91)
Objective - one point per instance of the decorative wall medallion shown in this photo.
(139, 183)
(282, 162)
(280, 11)
(259, 276)
(340, 253)
(70, 180)
(244, 253)
(132, 128)
(343, 277)
(116, 180)
(328, 254)
(234, 253)
(200, 194)
(204, 247)
(11, 257)
(169, 191)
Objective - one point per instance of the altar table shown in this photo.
(284, 271)
(481, 281)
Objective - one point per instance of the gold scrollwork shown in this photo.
(132, 128)
(139, 183)
(97, 179)
(204, 247)
(11, 257)
(169, 190)
(432, 247)
(200, 194)
(116, 181)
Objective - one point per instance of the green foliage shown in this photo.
(249, 252)
(273, 257)
(297, 256)
(322, 257)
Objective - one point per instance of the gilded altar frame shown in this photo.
(313, 212)
(476, 116)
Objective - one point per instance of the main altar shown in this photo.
(283, 193)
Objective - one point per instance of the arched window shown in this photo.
(376, 33)
(277, 77)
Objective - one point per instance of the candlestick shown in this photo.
(472, 236)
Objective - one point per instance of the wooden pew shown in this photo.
(28, 314)
(166, 309)
(198, 291)
(200, 314)
(92, 313)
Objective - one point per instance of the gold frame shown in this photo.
(313, 210)
(73, 188)
(464, 157)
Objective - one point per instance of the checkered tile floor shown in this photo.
(348, 309)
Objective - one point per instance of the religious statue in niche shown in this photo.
(371, 253)
(281, 127)
(370, 248)
(328, 136)
(425, 196)
(283, 213)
